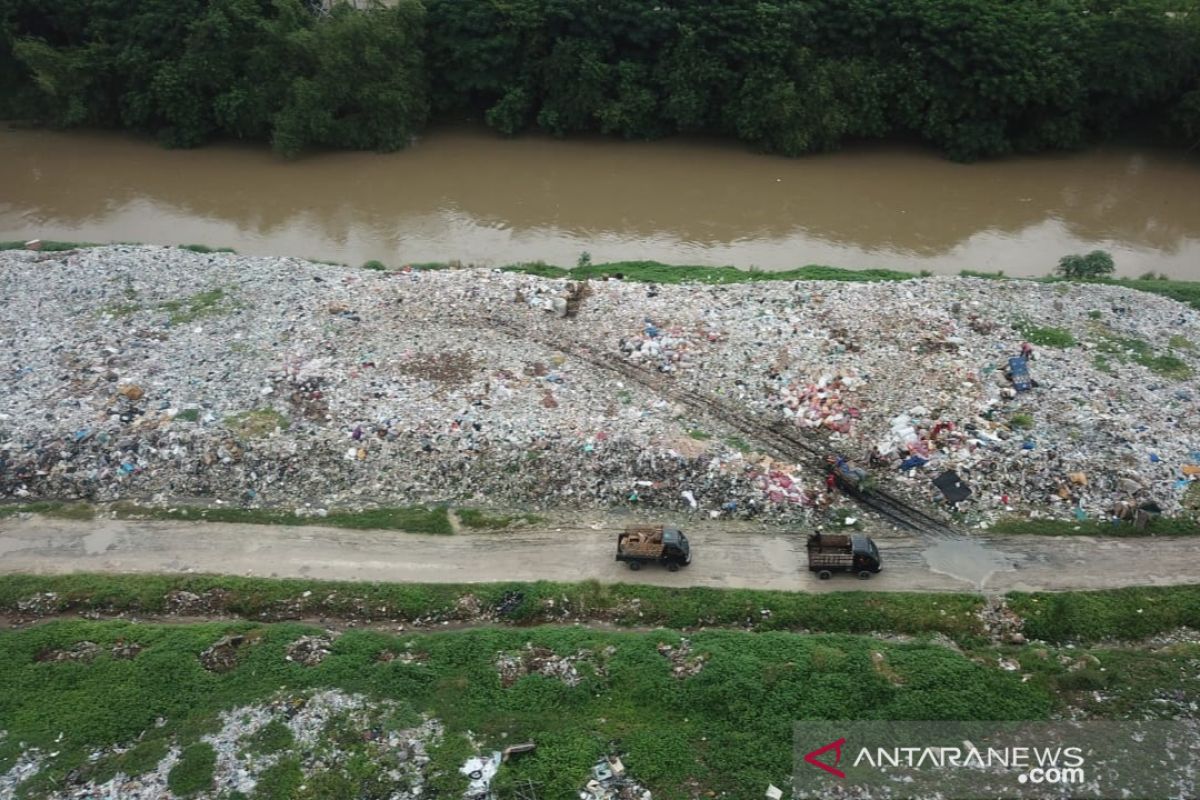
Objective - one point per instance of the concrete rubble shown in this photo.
(153, 373)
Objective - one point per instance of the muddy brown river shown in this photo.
(468, 195)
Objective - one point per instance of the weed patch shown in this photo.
(258, 423)
(479, 520)
(189, 309)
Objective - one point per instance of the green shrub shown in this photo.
(1096, 264)
(378, 266)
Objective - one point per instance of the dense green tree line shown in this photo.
(191, 70)
(971, 77)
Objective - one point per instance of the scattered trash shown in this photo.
(609, 781)
(683, 663)
(309, 650)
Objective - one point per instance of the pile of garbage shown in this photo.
(683, 663)
(544, 661)
(87, 652)
(309, 651)
(609, 781)
(821, 404)
(147, 372)
(222, 655)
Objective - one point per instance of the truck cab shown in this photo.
(866, 554)
(675, 545)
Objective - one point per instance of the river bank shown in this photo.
(279, 382)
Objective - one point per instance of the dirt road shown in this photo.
(723, 558)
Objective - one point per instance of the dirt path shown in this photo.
(724, 558)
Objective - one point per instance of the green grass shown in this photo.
(188, 415)
(1158, 526)
(412, 520)
(699, 435)
(203, 248)
(202, 304)
(1178, 342)
(473, 518)
(1127, 614)
(271, 738)
(739, 444)
(1021, 421)
(257, 423)
(1044, 336)
(194, 771)
(49, 246)
(850, 612)
(727, 729)
(378, 266)
(1139, 351)
(49, 508)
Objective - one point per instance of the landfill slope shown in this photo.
(156, 373)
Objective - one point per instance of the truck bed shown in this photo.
(830, 560)
(641, 543)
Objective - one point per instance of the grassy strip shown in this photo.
(516, 603)
(1130, 613)
(1160, 526)
(50, 508)
(480, 520)
(656, 272)
(52, 246)
(412, 520)
(724, 731)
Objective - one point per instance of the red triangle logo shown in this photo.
(811, 758)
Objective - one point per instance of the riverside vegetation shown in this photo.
(970, 77)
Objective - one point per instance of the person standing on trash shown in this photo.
(830, 482)
(1026, 351)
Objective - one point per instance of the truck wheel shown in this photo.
(635, 566)
(673, 566)
(824, 574)
(863, 575)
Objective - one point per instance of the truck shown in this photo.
(839, 552)
(660, 544)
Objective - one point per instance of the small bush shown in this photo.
(1021, 421)
(584, 260)
(1096, 264)
(1095, 314)
(378, 266)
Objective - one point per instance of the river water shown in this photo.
(466, 194)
